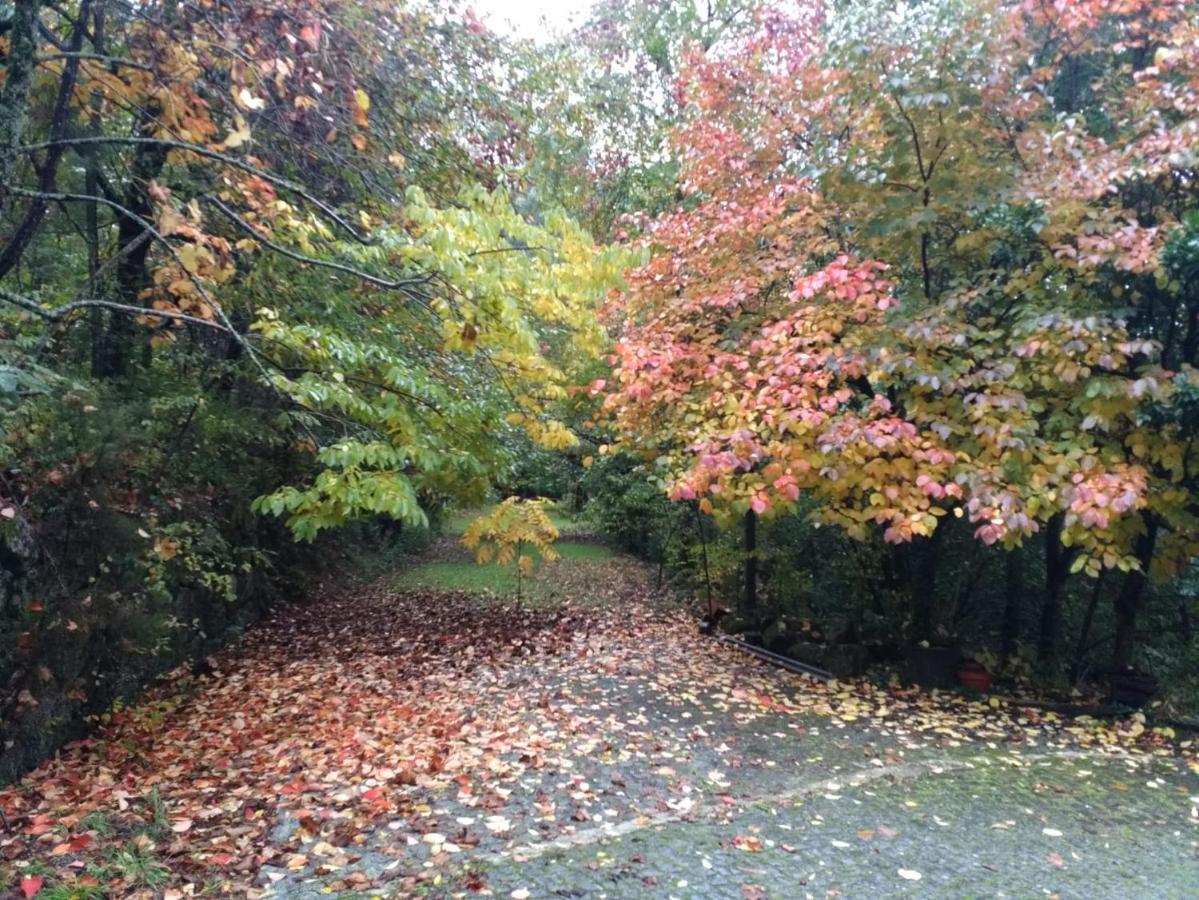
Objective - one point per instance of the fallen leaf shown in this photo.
(748, 843)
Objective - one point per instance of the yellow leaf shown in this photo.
(238, 136)
(249, 101)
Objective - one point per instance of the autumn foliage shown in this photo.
(923, 269)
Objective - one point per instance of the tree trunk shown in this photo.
(1085, 632)
(92, 211)
(113, 354)
(703, 544)
(923, 585)
(1013, 595)
(1128, 601)
(1057, 571)
(48, 168)
(751, 561)
(18, 77)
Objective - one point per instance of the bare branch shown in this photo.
(58, 313)
(209, 153)
(238, 220)
(95, 57)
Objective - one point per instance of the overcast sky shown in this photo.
(524, 17)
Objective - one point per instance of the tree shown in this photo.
(249, 189)
(505, 534)
(900, 281)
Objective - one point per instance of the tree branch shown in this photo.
(209, 153)
(58, 313)
(247, 227)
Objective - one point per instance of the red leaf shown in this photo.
(311, 35)
(31, 885)
(80, 842)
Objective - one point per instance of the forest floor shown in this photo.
(401, 739)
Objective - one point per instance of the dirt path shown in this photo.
(418, 742)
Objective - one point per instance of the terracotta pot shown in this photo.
(975, 677)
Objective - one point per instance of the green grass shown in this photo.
(472, 577)
(583, 551)
(456, 522)
(459, 576)
(562, 520)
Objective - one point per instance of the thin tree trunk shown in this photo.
(48, 168)
(751, 561)
(1128, 601)
(923, 586)
(18, 78)
(703, 544)
(1085, 634)
(132, 277)
(1013, 595)
(1057, 571)
(92, 187)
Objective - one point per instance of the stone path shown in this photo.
(590, 744)
(671, 776)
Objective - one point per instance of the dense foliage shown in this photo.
(259, 261)
(927, 271)
(891, 328)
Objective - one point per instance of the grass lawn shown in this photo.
(472, 577)
(459, 576)
(457, 521)
(582, 551)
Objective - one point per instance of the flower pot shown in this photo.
(975, 677)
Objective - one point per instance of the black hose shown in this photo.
(782, 662)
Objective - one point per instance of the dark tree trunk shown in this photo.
(1128, 601)
(1057, 571)
(92, 187)
(703, 544)
(751, 561)
(18, 78)
(923, 584)
(1084, 634)
(48, 167)
(1012, 597)
(114, 351)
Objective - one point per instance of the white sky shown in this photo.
(529, 18)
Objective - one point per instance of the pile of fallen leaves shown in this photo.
(338, 719)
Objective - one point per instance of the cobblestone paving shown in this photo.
(669, 791)
(670, 777)
(1084, 828)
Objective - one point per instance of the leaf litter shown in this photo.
(372, 737)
